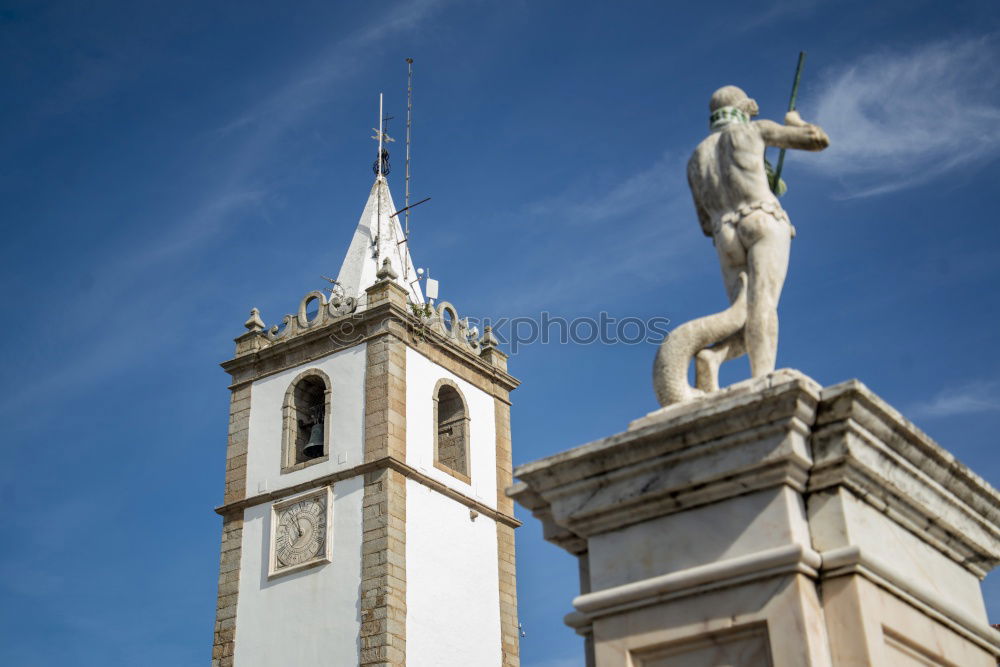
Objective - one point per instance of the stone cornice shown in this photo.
(853, 400)
(433, 345)
(667, 462)
(388, 462)
(791, 396)
(541, 510)
(264, 358)
(313, 343)
(861, 443)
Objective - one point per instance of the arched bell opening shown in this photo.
(451, 431)
(306, 420)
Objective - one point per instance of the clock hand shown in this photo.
(295, 524)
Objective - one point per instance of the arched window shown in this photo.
(451, 431)
(305, 436)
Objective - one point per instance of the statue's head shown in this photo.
(732, 96)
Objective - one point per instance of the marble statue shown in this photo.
(752, 236)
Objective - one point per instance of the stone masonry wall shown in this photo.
(232, 528)
(229, 581)
(509, 630)
(383, 570)
(385, 399)
(383, 547)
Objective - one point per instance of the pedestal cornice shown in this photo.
(750, 437)
(861, 443)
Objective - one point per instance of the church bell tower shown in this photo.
(364, 515)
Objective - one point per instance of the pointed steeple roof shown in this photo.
(376, 238)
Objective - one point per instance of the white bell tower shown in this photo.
(364, 516)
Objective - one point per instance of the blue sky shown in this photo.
(165, 166)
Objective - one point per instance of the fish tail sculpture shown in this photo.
(670, 368)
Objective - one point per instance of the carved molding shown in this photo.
(852, 559)
(783, 560)
(445, 322)
(386, 462)
(294, 324)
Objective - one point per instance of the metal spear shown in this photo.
(791, 107)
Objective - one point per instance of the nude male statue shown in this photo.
(751, 232)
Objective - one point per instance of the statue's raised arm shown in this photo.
(752, 236)
(795, 133)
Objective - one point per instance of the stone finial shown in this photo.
(489, 340)
(386, 272)
(254, 324)
(489, 350)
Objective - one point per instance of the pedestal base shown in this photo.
(773, 523)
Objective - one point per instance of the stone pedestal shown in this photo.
(773, 523)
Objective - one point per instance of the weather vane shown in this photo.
(381, 164)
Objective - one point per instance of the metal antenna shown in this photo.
(409, 122)
(406, 196)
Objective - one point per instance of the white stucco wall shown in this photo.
(422, 375)
(310, 617)
(346, 370)
(452, 596)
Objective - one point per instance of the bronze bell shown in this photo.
(314, 447)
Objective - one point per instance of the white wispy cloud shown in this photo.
(638, 228)
(655, 186)
(971, 398)
(310, 84)
(899, 119)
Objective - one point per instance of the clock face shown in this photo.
(300, 532)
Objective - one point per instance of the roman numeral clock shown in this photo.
(300, 528)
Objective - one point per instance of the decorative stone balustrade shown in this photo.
(443, 320)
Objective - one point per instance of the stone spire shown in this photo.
(376, 239)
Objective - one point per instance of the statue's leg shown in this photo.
(708, 361)
(733, 262)
(768, 241)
